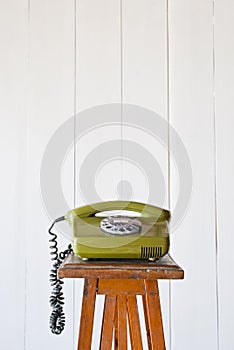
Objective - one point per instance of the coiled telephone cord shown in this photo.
(57, 317)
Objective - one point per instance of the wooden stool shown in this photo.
(120, 282)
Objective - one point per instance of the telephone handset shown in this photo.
(108, 230)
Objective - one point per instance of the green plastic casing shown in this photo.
(89, 241)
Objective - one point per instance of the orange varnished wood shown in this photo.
(87, 314)
(122, 322)
(154, 315)
(124, 286)
(116, 332)
(120, 281)
(134, 323)
(165, 268)
(108, 322)
(146, 322)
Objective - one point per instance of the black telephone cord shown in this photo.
(57, 317)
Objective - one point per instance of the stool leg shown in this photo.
(116, 332)
(134, 323)
(146, 322)
(87, 314)
(108, 322)
(121, 317)
(153, 314)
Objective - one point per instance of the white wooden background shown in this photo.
(58, 57)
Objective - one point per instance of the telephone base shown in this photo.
(144, 248)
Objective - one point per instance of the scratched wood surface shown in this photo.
(165, 268)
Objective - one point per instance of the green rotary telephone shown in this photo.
(107, 230)
(119, 229)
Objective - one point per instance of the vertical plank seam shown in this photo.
(74, 166)
(215, 182)
(27, 94)
(121, 93)
(168, 145)
(75, 109)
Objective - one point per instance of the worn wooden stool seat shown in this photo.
(120, 282)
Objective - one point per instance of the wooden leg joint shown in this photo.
(120, 308)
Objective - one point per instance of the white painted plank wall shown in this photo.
(37, 92)
(192, 114)
(50, 103)
(224, 95)
(13, 89)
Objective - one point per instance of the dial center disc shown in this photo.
(120, 225)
